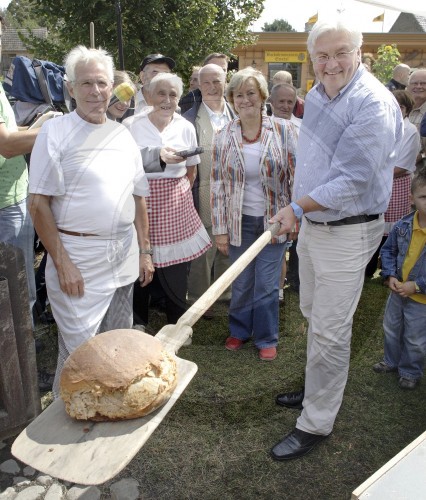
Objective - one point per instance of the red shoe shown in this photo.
(267, 353)
(233, 344)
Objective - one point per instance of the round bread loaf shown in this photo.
(117, 375)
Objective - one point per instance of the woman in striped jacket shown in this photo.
(253, 161)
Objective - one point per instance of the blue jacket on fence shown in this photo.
(395, 249)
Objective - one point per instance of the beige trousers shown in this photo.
(332, 261)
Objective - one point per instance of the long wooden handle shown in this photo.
(194, 313)
(174, 336)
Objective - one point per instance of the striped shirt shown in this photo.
(416, 117)
(347, 148)
(228, 175)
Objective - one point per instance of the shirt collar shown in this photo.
(218, 120)
(211, 112)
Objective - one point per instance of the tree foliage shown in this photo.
(388, 57)
(186, 30)
(278, 25)
(20, 14)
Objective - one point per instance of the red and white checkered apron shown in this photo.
(176, 231)
(399, 204)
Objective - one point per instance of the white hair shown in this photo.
(338, 25)
(415, 71)
(83, 55)
(164, 77)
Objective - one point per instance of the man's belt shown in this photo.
(355, 219)
(74, 233)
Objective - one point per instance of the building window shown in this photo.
(294, 68)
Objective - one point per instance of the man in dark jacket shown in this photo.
(399, 79)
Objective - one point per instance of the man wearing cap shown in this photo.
(151, 66)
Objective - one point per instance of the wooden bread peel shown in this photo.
(91, 453)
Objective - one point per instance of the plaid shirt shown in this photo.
(277, 162)
(415, 117)
(400, 202)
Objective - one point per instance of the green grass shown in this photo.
(215, 442)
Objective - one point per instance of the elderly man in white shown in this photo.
(87, 189)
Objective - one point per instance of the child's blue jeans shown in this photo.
(405, 335)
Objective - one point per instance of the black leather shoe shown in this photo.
(296, 444)
(291, 399)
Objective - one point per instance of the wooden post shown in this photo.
(119, 35)
(92, 35)
(19, 394)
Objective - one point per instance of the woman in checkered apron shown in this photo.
(177, 234)
(400, 204)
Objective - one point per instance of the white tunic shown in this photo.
(179, 134)
(91, 172)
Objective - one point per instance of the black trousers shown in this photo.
(293, 267)
(172, 283)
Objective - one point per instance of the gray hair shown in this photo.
(415, 71)
(83, 55)
(322, 27)
(278, 86)
(282, 77)
(164, 77)
(400, 69)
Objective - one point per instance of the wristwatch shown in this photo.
(417, 288)
(297, 209)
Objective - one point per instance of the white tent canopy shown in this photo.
(416, 7)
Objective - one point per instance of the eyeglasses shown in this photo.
(339, 57)
(422, 84)
(88, 84)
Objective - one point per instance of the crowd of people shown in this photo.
(130, 211)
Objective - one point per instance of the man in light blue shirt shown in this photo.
(350, 133)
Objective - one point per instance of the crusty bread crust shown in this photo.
(117, 375)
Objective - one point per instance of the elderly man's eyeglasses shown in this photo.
(422, 84)
(339, 57)
(88, 84)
